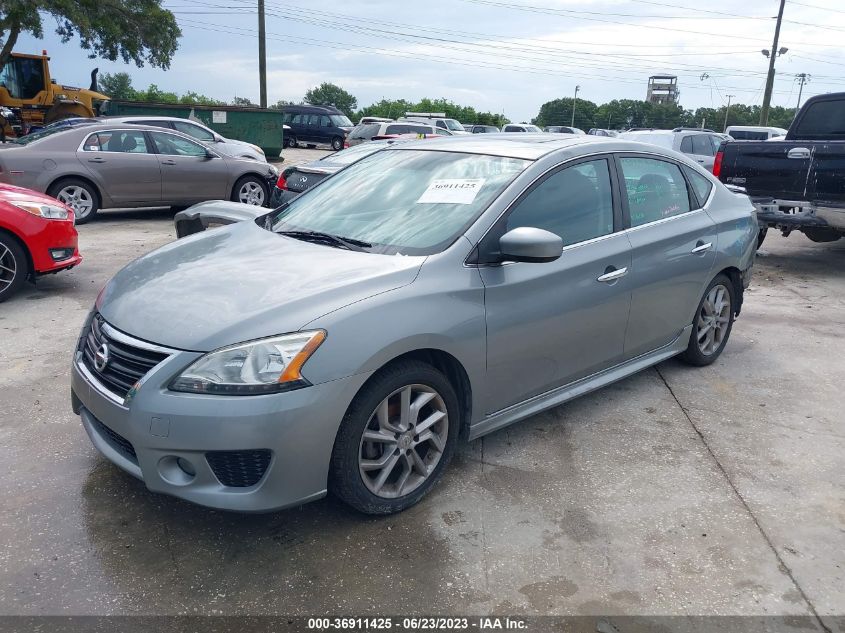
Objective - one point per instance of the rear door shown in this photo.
(674, 248)
(123, 166)
(829, 176)
(770, 169)
(187, 174)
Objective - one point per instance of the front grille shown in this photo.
(239, 469)
(116, 441)
(126, 364)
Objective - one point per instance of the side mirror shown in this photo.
(529, 244)
(209, 154)
(218, 138)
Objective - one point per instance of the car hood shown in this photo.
(12, 193)
(242, 282)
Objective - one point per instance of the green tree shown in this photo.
(244, 102)
(118, 86)
(281, 103)
(396, 108)
(559, 112)
(139, 31)
(327, 94)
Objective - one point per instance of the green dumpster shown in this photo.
(262, 127)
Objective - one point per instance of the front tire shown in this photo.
(712, 324)
(337, 143)
(250, 190)
(14, 266)
(79, 196)
(396, 439)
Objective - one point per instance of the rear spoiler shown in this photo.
(199, 217)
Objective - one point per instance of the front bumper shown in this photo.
(148, 435)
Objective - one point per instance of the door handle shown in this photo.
(701, 248)
(97, 159)
(168, 162)
(612, 274)
(798, 152)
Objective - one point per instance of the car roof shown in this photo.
(526, 146)
(154, 117)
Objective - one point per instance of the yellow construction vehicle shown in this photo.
(29, 97)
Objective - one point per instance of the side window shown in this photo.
(314, 119)
(716, 141)
(123, 141)
(656, 189)
(701, 185)
(325, 122)
(286, 117)
(686, 145)
(92, 143)
(173, 145)
(193, 130)
(702, 146)
(443, 132)
(441, 124)
(297, 118)
(575, 203)
(396, 129)
(153, 123)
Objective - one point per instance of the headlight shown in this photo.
(45, 210)
(269, 365)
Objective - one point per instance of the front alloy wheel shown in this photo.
(396, 438)
(403, 441)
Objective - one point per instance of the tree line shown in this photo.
(628, 113)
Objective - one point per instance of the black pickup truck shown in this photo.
(797, 183)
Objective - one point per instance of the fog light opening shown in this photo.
(177, 471)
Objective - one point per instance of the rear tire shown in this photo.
(14, 266)
(79, 196)
(712, 324)
(414, 460)
(251, 190)
(822, 234)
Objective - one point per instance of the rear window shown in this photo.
(824, 119)
(407, 129)
(744, 135)
(368, 130)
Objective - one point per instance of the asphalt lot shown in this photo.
(677, 491)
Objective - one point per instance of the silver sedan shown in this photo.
(432, 291)
(119, 165)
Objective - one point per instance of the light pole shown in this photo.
(803, 78)
(728, 109)
(770, 78)
(577, 88)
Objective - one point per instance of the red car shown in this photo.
(37, 236)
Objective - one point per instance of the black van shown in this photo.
(311, 125)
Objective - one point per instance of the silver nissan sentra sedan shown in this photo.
(431, 292)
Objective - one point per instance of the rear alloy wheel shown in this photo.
(713, 322)
(250, 190)
(396, 439)
(337, 143)
(79, 196)
(14, 266)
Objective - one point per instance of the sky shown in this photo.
(504, 56)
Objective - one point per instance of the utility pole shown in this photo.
(728, 109)
(803, 78)
(770, 78)
(577, 88)
(262, 55)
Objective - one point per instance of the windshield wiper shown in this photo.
(318, 236)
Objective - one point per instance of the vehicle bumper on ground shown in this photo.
(796, 214)
(246, 453)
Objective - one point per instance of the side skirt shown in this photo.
(517, 412)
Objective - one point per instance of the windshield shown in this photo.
(409, 202)
(340, 120)
(532, 128)
(454, 125)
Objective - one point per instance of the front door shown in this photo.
(122, 165)
(549, 324)
(187, 173)
(674, 248)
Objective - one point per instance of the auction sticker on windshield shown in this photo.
(451, 191)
